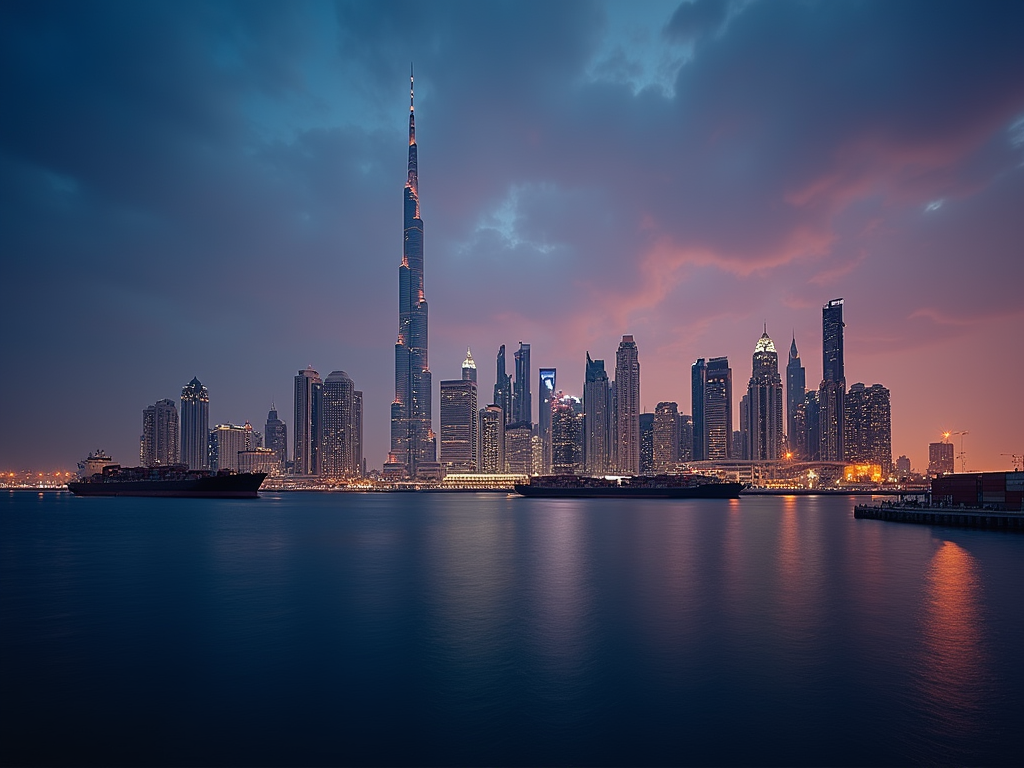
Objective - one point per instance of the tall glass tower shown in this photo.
(412, 435)
(195, 425)
(832, 390)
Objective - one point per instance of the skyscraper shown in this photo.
(459, 424)
(718, 410)
(519, 448)
(940, 459)
(646, 443)
(764, 403)
(547, 398)
(522, 402)
(276, 437)
(412, 435)
(832, 390)
(665, 449)
(195, 425)
(491, 454)
(566, 436)
(597, 411)
(868, 430)
(796, 386)
(338, 427)
(226, 441)
(503, 387)
(306, 451)
(159, 445)
(627, 398)
(469, 367)
(698, 380)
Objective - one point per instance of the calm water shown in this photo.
(477, 629)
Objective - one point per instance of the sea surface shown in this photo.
(472, 629)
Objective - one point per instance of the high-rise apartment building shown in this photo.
(459, 424)
(225, 442)
(547, 398)
(519, 448)
(276, 437)
(503, 387)
(412, 434)
(666, 437)
(718, 410)
(357, 432)
(597, 410)
(868, 428)
(698, 382)
(522, 402)
(306, 425)
(339, 424)
(940, 459)
(764, 404)
(812, 427)
(627, 400)
(566, 437)
(491, 429)
(796, 386)
(159, 443)
(685, 437)
(195, 425)
(646, 443)
(832, 390)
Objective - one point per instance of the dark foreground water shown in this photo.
(306, 629)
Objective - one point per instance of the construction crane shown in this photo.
(1017, 459)
(963, 454)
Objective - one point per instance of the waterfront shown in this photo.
(475, 628)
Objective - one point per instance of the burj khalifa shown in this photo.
(412, 435)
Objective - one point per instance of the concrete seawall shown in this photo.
(960, 518)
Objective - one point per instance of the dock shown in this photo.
(951, 516)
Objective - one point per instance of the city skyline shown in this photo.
(239, 221)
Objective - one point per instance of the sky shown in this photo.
(215, 190)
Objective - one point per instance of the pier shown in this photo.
(950, 516)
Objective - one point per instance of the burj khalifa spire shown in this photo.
(412, 435)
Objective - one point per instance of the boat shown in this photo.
(173, 481)
(688, 486)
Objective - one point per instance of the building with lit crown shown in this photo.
(763, 406)
(195, 425)
(459, 421)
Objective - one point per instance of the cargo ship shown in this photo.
(654, 487)
(172, 481)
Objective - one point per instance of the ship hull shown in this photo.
(243, 486)
(707, 491)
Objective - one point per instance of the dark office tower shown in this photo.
(940, 459)
(469, 368)
(503, 387)
(627, 400)
(519, 448)
(276, 436)
(868, 430)
(195, 425)
(832, 391)
(698, 380)
(764, 404)
(718, 410)
(547, 397)
(338, 427)
(357, 432)
(685, 438)
(646, 443)
(522, 403)
(741, 444)
(812, 428)
(597, 411)
(459, 425)
(160, 434)
(666, 437)
(306, 450)
(566, 438)
(491, 429)
(796, 386)
(412, 435)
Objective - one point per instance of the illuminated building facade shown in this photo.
(718, 410)
(698, 382)
(567, 436)
(522, 401)
(627, 405)
(832, 390)
(339, 424)
(940, 459)
(226, 442)
(306, 449)
(459, 423)
(412, 435)
(796, 387)
(868, 430)
(597, 418)
(665, 448)
(195, 425)
(646, 443)
(519, 448)
(547, 398)
(491, 428)
(276, 437)
(159, 443)
(503, 386)
(764, 404)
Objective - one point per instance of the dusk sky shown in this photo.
(215, 190)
